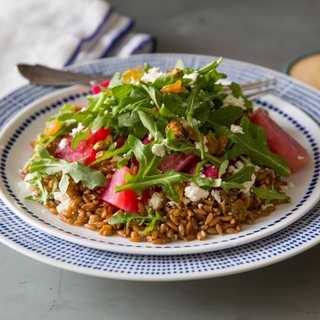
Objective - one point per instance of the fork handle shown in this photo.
(42, 75)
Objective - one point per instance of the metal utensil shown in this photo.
(42, 75)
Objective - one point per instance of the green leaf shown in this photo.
(126, 217)
(225, 116)
(270, 194)
(167, 180)
(44, 195)
(154, 94)
(148, 161)
(253, 143)
(48, 165)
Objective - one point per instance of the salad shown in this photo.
(162, 155)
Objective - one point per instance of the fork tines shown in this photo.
(253, 90)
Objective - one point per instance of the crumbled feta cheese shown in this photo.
(156, 201)
(194, 193)
(248, 184)
(216, 195)
(152, 75)
(159, 149)
(70, 121)
(64, 199)
(291, 185)
(236, 167)
(236, 129)
(196, 122)
(63, 143)
(198, 144)
(192, 76)
(26, 186)
(233, 101)
(79, 128)
(171, 203)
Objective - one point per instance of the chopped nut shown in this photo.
(176, 72)
(180, 133)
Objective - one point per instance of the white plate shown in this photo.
(29, 229)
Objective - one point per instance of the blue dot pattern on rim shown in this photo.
(55, 251)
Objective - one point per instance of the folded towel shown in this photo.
(58, 33)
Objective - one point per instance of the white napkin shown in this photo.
(58, 33)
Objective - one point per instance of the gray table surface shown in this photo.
(268, 33)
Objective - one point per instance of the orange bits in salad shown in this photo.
(52, 127)
(174, 87)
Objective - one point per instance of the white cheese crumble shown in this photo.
(63, 143)
(196, 122)
(26, 186)
(216, 195)
(233, 101)
(152, 75)
(156, 201)
(198, 144)
(194, 193)
(236, 129)
(192, 76)
(64, 199)
(291, 185)
(248, 184)
(79, 128)
(159, 149)
(236, 167)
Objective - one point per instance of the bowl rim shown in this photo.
(289, 65)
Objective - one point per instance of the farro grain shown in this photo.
(122, 233)
(90, 226)
(181, 229)
(211, 230)
(136, 239)
(230, 230)
(172, 226)
(158, 241)
(219, 229)
(190, 237)
(214, 221)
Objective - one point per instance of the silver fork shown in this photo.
(42, 75)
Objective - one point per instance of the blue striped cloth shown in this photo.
(58, 33)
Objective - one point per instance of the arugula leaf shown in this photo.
(44, 194)
(127, 216)
(242, 175)
(270, 194)
(254, 144)
(224, 116)
(237, 92)
(148, 161)
(112, 151)
(47, 165)
(167, 180)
